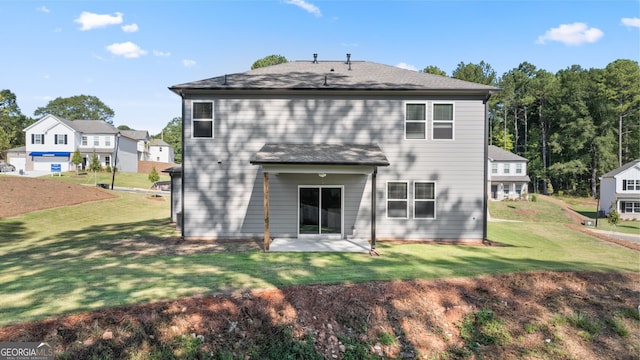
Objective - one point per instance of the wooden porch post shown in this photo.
(373, 208)
(265, 189)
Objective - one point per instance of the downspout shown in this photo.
(485, 186)
(182, 181)
(373, 209)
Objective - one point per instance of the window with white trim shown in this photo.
(37, 138)
(96, 140)
(202, 119)
(84, 140)
(415, 121)
(442, 123)
(397, 199)
(60, 139)
(518, 168)
(519, 189)
(630, 185)
(630, 207)
(424, 200)
(107, 140)
(505, 168)
(494, 168)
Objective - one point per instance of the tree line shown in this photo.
(573, 126)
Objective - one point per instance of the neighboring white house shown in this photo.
(508, 177)
(334, 149)
(51, 142)
(620, 188)
(142, 142)
(160, 151)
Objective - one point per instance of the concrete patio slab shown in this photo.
(319, 245)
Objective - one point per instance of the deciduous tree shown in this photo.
(81, 107)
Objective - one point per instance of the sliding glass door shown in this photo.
(320, 210)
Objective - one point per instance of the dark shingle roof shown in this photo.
(320, 154)
(336, 75)
(622, 168)
(499, 154)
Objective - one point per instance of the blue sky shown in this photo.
(127, 53)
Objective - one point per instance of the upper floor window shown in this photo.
(96, 140)
(60, 139)
(630, 185)
(202, 119)
(518, 168)
(84, 140)
(442, 121)
(424, 202)
(397, 199)
(107, 140)
(37, 138)
(415, 123)
(494, 168)
(505, 168)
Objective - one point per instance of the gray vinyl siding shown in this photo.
(223, 191)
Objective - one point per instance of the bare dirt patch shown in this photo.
(19, 195)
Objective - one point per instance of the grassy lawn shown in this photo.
(76, 258)
(121, 179)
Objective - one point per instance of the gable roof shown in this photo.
(333, 75)
(500, 154)
(81, 126)
(622, 168)
(135, 134)
(158, 142)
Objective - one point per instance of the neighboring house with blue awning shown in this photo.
(51, 142)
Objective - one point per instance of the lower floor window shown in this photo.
(518, 189)
(397, 199)
(424, 204)
(630, 207)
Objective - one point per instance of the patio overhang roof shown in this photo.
(325, 158)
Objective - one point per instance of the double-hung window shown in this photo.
(96, 140)
(60, 139)
(442, 122)
(202, 119)
(494, 168)
(84, 140)
(397, 199)
(518, 168)
(630, 207)
(424, 202)
(630, 185)
(107, 140)
(37, 138)
(505, 168)
(415, 124)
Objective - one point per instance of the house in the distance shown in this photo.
(51, 142)
(142, 142)
(160, 151)
(620, 189)
(334, 150)
(508, 177)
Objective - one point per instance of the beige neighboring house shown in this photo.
(507, 178)
(621, 188)
(142, 142)
(160, 151)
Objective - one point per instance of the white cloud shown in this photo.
(571, 34)
(308, 7)
(631, 22)
(406, 66)
(93, 21)
(188, 63)
(161, 53)
(127, 49)
(43, 9)
(130, 28)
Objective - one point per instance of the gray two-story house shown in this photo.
(334, 149)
